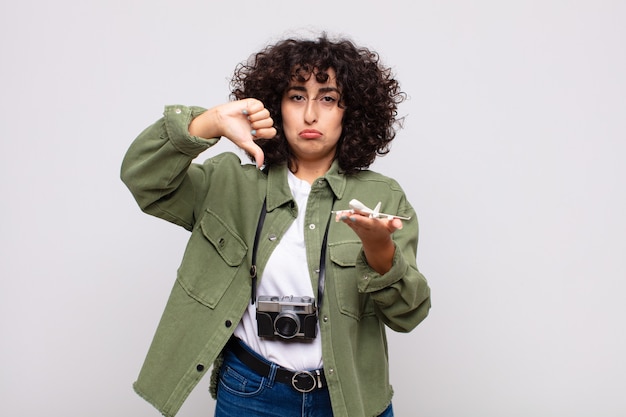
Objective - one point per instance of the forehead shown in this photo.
(304, 74)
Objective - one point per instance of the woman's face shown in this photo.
(312, 118)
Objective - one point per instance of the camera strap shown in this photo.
(322, 269)
(253, 270)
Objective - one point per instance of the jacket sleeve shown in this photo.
(158, 169)
(402, 295)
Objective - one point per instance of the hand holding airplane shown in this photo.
(357, 207)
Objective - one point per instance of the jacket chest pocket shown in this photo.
(343, 256)
(212, 259)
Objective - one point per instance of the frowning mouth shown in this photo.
(310, 134)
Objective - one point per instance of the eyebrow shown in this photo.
(321, 90)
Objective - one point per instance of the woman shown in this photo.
(288, 308)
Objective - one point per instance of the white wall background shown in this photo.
(512, 154)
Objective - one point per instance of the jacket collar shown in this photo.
(278, 192)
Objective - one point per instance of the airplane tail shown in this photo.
(376, 210)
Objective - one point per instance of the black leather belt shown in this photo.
(301, 381)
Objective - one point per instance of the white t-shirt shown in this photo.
(286, 273)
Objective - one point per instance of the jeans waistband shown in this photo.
(301, 381)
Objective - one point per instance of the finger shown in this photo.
(348, 218)
(262, 114)
(251, 106)
(268, 133)
(265, 123)
(262, 124)
(362, 221)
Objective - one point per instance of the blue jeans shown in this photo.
(241, 392)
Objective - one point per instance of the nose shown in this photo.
(310, 112)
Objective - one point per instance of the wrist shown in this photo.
(204, 125)
(380, 256)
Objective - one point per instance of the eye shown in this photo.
(296, 97)
(330, 99)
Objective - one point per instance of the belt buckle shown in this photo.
(304, 381)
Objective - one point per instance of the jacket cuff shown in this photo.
(371, 281)
(177, 120)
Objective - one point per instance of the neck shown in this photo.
(310, 171)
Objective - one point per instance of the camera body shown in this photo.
(287, 317)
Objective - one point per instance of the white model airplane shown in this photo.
(356, 205)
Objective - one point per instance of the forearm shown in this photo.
(379, 254)
(401, 294)
(155, 168)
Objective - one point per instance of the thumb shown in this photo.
(256, 152)
(395, 224)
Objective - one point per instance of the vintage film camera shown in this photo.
(287, 317)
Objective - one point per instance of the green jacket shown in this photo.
(219, 202)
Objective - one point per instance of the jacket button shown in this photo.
(228, 323)
(200, 367)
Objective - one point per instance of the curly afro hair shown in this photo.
(369, 94)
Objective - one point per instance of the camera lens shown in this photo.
(287, 325)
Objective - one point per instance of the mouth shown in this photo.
(310, 134)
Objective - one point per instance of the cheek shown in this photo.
(284, 112)
(285, 121)
(288, 119)
(288, 129)
(339, 123)
(340, 115)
